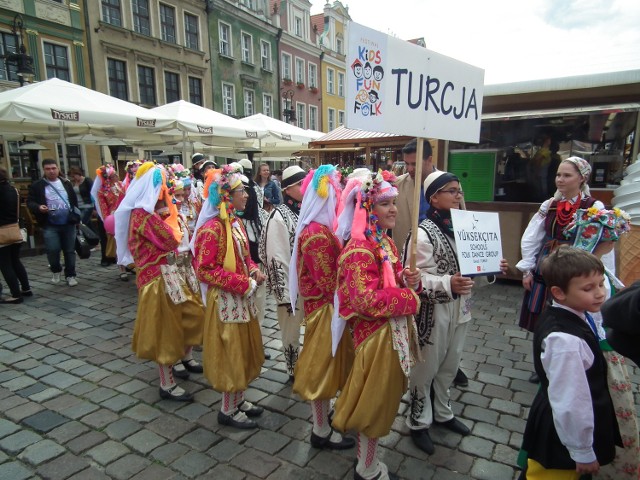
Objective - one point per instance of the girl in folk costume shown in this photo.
(596, 231)
(377, 297)
(148, 234)
(185, 206)
(107, 192)
(232, 342)
(545, 233)
(192, 308)
(445, 313)
(131, 168)
(320, 372)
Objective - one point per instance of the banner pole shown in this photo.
(416, 204)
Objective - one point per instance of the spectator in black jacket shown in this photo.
(52, 199)
(12, 269)
(82, 186)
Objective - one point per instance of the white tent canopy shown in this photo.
(44, 106)
(282, 138)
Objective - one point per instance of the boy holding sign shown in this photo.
(444, 314)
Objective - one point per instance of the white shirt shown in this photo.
(54, 202)
(565, 359)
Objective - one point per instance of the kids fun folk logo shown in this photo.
(368, 73)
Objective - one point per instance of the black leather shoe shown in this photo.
(26, 293)
(267, 355)
(170, 395)
(357, 476)
(460, 379)
(193, 367)
(422, 440)
(230, 421)
(180, 373)
(252, 411)
(325, 442)
(534, 378)
(456, 426)
(11, 300)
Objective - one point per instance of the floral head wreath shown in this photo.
(104, 173)
(592, 226)
(129, 166)
(181, 176)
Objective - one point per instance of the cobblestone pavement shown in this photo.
(75, 402)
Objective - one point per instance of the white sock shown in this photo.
(368, 464)
(188, 354)
(320, 414)
(228, 408)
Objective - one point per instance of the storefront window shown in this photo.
(74, 158)
(18, 161)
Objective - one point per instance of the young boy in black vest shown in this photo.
(572, 428)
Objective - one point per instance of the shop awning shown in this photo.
(560, 112)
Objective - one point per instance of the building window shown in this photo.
(301, 113)
(228, 99)
(141, 21)
(297, 27)
(8, 45)
(265, 55)
(147, 85)
(171, 87)
(111, 12)
(195, 91)
(224, 32)
(331, 80)
(249, 102)
(300, 71)
(331, 119)
(267, 105)
(74, 157)
(286, 67)
(313, 117)
(117, 72)
(250, 4)
(313, 75)
(340, 117)
(340, 84)
(168, 23)
(247, 48)
(339, 46)
(56, 59)
(19, 163)
(191, 34)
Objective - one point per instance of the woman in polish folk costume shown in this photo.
(192, 308)
(320, 372)
(232, 341)
(148, 234)
(377, 297)
(107, 193)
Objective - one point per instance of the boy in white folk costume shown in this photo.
(276, 246)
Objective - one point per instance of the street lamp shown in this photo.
(20, 60)
(288, 111)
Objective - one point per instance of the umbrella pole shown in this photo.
(184, 148)
(63, 143)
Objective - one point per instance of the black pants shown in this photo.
(12, 269)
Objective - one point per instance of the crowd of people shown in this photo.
(206, 245)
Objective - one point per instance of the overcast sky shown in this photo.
(514, 40)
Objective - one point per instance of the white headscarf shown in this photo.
(143, 194)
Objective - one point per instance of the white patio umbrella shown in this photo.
(207, 126)
(54, 104)
(283, 138)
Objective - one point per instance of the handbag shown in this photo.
(10, 234)
(75, 215)
(90, 235)
(83, 249)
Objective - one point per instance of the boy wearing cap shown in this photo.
(444, 314)
(571, 429)
(276, 245)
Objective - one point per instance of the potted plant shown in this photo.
(300, 85)
(313, 89)
(287, 81)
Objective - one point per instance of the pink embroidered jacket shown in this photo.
(150, 241)
(364, 301)
(210, 249)
(318, 251)
(109, 199)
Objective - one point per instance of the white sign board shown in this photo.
(394, 86)
(478, 241)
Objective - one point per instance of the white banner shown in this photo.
(394, 86)
(478, 241)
